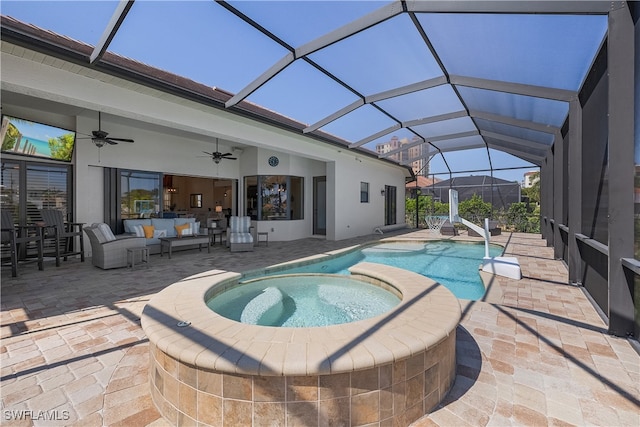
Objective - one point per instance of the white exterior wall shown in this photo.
(171, 132)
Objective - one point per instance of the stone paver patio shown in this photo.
(534, 352)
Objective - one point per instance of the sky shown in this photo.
(208, 44)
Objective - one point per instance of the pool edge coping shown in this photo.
(216, 343)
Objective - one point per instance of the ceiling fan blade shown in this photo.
(210, 154)
(226, 154)
(110, 141)
(231, 158)
(121, 139)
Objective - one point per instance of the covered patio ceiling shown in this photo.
(477, 85)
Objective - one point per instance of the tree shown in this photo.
(533, 192)
(474, 209)
(62, 147)
(11, 137)
(519, 218)
(426, 206)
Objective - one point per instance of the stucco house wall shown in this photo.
(170, 133)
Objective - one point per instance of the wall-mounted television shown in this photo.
(28, 138)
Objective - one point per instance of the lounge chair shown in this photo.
(448, 229)
(239, 234)
(13, 236)
(107, 250)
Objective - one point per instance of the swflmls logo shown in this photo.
(25, 414)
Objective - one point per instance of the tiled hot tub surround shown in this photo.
(392, 368)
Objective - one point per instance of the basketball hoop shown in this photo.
(435, 222)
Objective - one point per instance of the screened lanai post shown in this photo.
(574, 207)
(491, 167)
(558, 184)
(417, 204)
(620, 50)
(546, 198)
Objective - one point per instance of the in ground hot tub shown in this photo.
(392, 368)
(304, 300)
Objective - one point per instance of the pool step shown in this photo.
(265, 309)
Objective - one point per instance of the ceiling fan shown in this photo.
(217, 156)
(100, 137)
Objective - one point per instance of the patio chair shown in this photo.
(13, 236)
(239, 236)
(109, 251)
(62, 234)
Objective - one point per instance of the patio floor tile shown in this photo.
(534, 352)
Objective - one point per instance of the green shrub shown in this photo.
(474, 209)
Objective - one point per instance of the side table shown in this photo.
(132, 254)
(215, 231)
(266, 238)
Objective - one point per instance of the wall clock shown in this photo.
(273, 161)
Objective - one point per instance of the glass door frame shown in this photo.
(23, 187)
(318, 204)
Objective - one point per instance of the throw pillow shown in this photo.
(138, 230)
(106, 231)
(182, 229)
(160, 233)
(98, 233)
(194, 228)
(148, 231)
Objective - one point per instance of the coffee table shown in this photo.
(174, 242)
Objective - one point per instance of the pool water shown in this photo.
(303, 301)
(453, 264)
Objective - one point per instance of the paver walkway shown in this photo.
(535, 352)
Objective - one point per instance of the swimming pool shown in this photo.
(453, 264)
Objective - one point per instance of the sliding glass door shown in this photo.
(27, 187)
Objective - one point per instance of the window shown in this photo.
(196, 200)
(139, 194)
(274, 197)
(46, 189)
(28, 187)
(10, 189)
(364, 192)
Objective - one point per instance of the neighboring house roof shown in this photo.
(473, 180)
(423, 181)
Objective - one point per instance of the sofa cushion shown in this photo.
(240, 238)
(106, 232)
(96, 232)
(165, 224)
(194, 228)
(180, 221)
(129, 223)
(138, 230)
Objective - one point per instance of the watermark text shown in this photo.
(27, 414)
